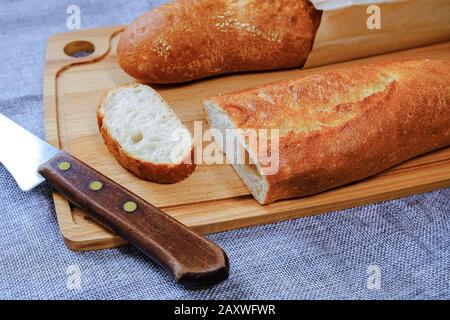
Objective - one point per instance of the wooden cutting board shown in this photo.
(214, 198)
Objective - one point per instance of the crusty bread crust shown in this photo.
(155, 172)
(342, 126)
(190, 39)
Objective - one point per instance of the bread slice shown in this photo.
(339, 126)
(145, 135)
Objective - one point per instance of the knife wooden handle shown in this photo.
(192, 260)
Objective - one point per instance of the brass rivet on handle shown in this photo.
(64, 166)
(130, 206)
(95, 185)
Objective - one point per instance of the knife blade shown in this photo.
(23, 160)
(190, 259)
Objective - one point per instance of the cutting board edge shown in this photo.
(56, 61)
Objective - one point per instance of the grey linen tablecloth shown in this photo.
(394, 250)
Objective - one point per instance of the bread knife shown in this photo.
(190, 259)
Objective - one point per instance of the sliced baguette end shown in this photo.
(250, 174)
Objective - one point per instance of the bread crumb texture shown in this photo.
(145, 126)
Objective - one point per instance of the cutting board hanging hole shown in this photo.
(79, 49)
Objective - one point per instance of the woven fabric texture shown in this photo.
(394, 250)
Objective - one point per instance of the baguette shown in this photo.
(144, 134)
(190, 39)
(340, 126)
